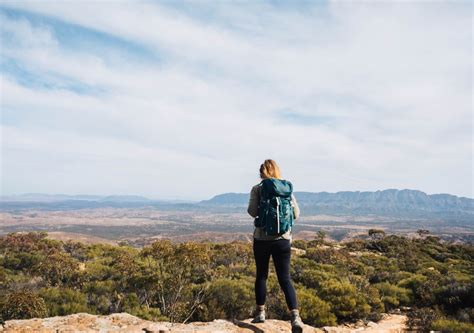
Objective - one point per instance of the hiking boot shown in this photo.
(296, 322)
(259, 316)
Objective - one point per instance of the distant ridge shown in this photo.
(125, 198)
(400, 202)
(41, 197)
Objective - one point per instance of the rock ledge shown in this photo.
(126, 323)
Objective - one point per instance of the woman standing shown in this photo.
(278, 246)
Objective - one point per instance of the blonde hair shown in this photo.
(269, 169)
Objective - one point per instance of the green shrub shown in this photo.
(392, 296)
(314, 311)
(64, 301)
(422, 318)
(205, 281)
(345, 301)
(228, 299)
(131, 304)
(452, 326)
(22, 305)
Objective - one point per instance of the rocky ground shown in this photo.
(123, 322)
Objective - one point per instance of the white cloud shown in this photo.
(393, 80)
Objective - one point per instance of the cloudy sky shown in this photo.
(185, 100)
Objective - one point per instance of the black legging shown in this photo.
(280, 250)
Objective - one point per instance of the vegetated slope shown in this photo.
(335, 283)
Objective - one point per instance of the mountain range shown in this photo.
(391, 202)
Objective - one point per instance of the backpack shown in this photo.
(275, 210)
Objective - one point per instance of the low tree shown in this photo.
(376, 234)
(423, 232)
(58, 268)
(320, 237)
(173, 271)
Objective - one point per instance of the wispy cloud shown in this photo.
(185, 100)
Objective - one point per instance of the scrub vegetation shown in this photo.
(432, 280)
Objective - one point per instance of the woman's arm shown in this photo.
(296, 208)
(253, 201)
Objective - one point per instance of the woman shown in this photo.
(279, 247)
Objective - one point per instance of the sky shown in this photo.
(185, 99)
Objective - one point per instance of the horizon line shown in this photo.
(156, 198)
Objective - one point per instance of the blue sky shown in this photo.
(184, 100)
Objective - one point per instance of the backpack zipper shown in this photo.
(266, 216)
(278, 215)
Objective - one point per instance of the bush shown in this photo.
(22, 305)
(314, 311)
(275, 302)
(132, 306)
(456, 295)
(422, 318)
(392, 296)
(346, 302)
(452, 326)
(376, 305)
(101, 296)
(228, 299)
(64, 301)
(205, 281)
(299, 244)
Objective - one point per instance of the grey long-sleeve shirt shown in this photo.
(252, 209)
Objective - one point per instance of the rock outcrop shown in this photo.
(125, 323)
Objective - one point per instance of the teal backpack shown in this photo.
(275, 210)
